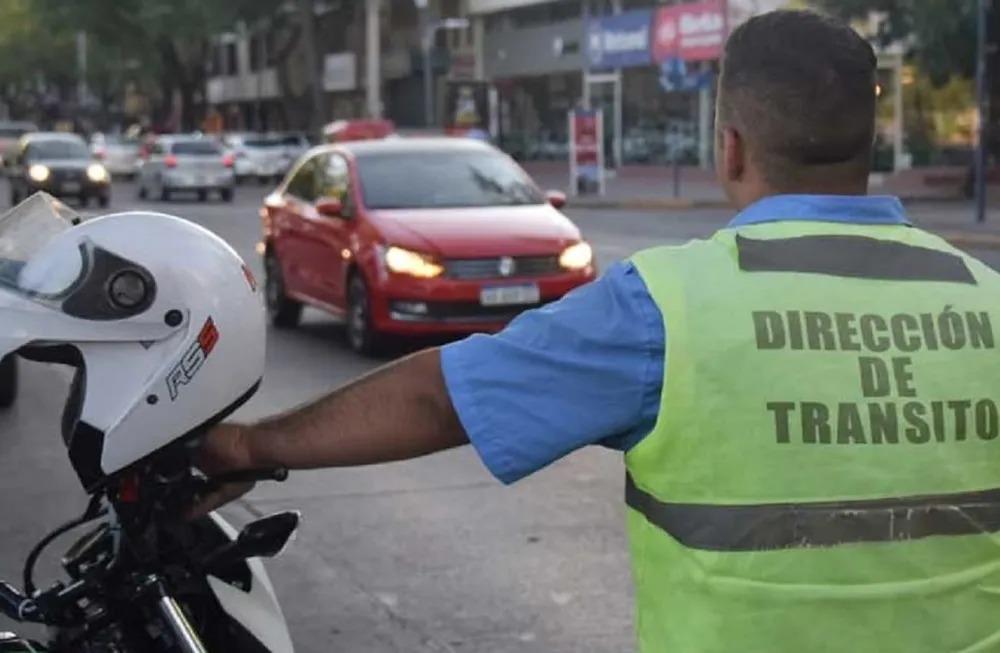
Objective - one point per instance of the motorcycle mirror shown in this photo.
(266, 537)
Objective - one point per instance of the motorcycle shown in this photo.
(143, 579)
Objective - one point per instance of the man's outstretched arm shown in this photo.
(398, 412)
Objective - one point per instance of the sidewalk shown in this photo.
(651, 187)
(933, 196)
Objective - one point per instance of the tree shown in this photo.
(170, 40)
(940, 34)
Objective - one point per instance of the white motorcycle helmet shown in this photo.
(161, 319)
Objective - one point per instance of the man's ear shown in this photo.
(734, 154)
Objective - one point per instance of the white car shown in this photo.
(256, 156)
(186, 163)
(119, 154)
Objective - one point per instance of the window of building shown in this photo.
(231, 63)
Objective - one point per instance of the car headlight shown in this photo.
(39, 173)
(403, 261)
(577, 257)
(97, 173)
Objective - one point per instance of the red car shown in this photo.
(416, 236)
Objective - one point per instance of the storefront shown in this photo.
(652, 72)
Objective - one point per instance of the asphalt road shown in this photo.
(429, 555)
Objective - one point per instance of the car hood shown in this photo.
(478, 232)
(65, 164)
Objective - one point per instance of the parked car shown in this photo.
(119, 154)
(186, 163)
(256, 156)
(416, 236)
(293, 146)
(10, 135)
(59, 164)
(8, 381)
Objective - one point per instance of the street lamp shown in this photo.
(430, 30)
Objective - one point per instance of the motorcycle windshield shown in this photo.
(25, 231)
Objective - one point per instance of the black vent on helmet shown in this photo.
(93, 298)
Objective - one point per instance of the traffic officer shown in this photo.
(806, 400)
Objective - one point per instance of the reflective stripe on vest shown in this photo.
(790, 525)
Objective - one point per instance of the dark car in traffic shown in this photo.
(61, 165)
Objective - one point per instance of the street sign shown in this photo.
(676, 75)
(586, 151)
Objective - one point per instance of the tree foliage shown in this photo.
(940, 35)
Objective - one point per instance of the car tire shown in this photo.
(15, 197)
(203, 196)
(164, 194)
(103, 201)
(142, 191)
(285, 313)
(8, 381)
(362, 337)
(226, 194)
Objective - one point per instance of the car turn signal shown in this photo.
(577, 257)
(403, 261)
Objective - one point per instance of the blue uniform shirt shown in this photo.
(589, 368)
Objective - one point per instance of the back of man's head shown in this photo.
(799, 89)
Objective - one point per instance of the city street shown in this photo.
(431, 555)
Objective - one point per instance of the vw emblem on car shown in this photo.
(507, 266)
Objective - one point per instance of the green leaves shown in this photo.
(940, 35)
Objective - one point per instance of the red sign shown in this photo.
(586, 146)
(691, 32)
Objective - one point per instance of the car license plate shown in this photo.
(70, 187)
(509, 295)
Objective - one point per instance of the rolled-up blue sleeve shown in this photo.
(587, 369)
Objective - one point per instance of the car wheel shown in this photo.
(285, 313)
(15, 197)
(8, 381)
(361, 333)
(103, 201)
(142, 191)
(226, 194)
(203, 196)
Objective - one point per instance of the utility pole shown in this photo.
(982, 102)
(81, 64)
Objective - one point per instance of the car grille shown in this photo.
(59, 176)
(496, 268)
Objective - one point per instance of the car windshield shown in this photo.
(58, 149)
(261, 142)
(195, 148)
(121, 140)
(443, 179)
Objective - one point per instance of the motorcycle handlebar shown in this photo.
(17, 606)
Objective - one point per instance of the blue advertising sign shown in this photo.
(621, 40)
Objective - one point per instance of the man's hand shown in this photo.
(224, 449)
(398, 412)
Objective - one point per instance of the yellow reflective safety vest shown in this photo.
(824, 472)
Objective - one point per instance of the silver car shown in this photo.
(119, 154)
(186, 164)
(256, 156)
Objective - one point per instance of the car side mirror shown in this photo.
(330, 207)
(556, 198)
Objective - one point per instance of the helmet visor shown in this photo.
(25, 231)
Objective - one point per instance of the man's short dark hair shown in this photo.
(800, 89)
